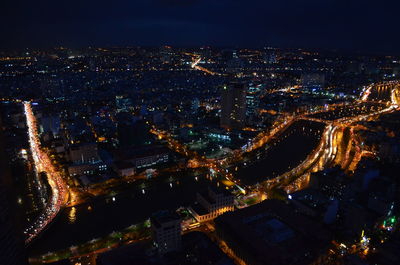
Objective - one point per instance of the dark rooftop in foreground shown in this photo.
(273, 233)
(161, 217)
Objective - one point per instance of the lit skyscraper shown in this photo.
(252, 99)
(233, 105)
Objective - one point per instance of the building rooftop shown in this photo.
(134, 153)
(273, 233)
(199, 209)
(207, 197)
(312, 198)
(83, 145)
(219, 190)
(123, 165)
(161, 217)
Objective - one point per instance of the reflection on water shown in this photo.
(381, 93)
(104, 215)
(282, 154)
(72, 215)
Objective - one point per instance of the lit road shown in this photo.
(59, 195)
(264, 137)
(328, 151)
(294, 179)
(200, 68)
(366, 92)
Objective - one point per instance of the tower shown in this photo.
(233, 105)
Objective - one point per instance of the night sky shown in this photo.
(354, 25)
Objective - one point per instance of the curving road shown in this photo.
(327, 150)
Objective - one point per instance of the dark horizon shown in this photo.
(344, 52)
(360, 26)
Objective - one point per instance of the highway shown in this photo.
(325, 153)
(200, 68)
(327, 150)
(59, 194)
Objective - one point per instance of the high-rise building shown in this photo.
(252, 99)
(125, 133)
(166, 231)
(132, 131)
(235, 65)
(233, 105)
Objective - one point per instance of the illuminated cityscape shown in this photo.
(203, 140)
